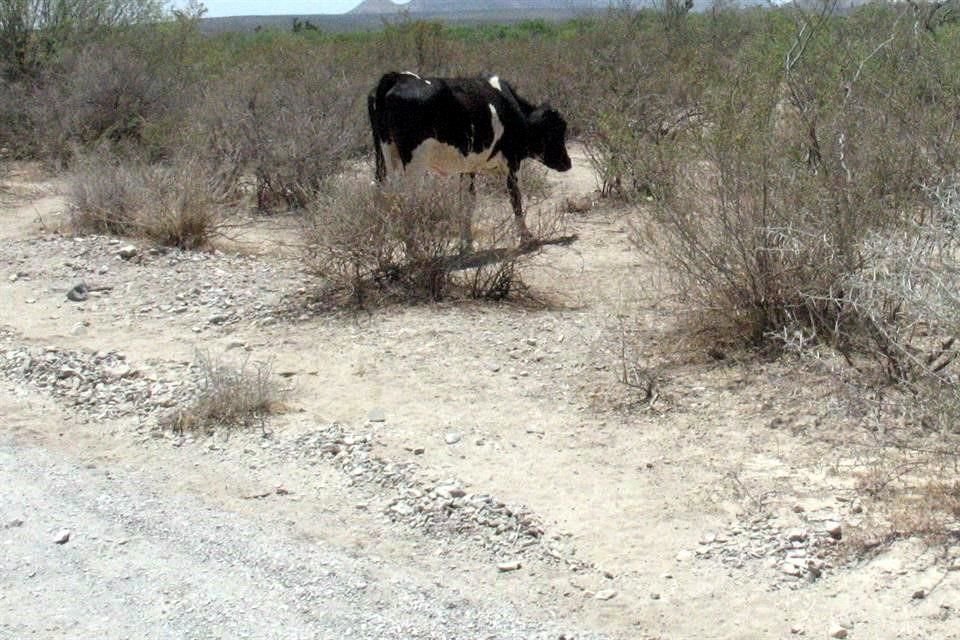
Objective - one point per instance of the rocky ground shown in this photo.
(441, 471)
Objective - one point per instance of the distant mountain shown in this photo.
(376, 6)
(435, 7)
(371, 15)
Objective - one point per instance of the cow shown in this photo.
(463, 126)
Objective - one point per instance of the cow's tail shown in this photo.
(376, 103)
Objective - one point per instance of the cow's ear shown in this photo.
(545, 118)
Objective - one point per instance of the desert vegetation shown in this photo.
(796, 168)
(230, 394)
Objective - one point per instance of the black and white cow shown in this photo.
(463, 126)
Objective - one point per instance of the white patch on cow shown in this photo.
(445, 159)
(411, 73)
(391, 157)
(495, 83)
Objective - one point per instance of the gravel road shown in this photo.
(140, 563)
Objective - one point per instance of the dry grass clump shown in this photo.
(230, 395)
(408, 240)
(906, 503)
(168, 204)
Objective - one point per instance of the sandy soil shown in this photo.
(683, 508)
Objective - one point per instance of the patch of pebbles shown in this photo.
(101, 384)
(202, 288)
(441, 507)
(797, 554)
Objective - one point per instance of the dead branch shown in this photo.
(502, 254)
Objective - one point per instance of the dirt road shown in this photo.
(141, 562)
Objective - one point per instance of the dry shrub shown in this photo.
(754, 248)
(642, 90)
(762, 228)
(402, 240)
(907, 503)
(102, 94)
(421, 45)
(906, 291)
(905, 294)
(291, 122)
(230, 395)
(16, 132)
(168, 204)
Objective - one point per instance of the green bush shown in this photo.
(766, 216)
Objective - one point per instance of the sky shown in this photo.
(275, 7)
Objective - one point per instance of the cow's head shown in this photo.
(548, 131)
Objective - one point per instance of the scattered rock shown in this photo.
(578, 204)
(452, 437)
(654, 596)
(512, 565)
(79, 293)
(605, 594)
(837, 631)
(67, 372)
(127, 251)
(377, 415)
(115, 372)
(919, 594)
(797, 535)
(834, 530)
(450, 491)
(402, 508)
(62, 537)
(13, 524)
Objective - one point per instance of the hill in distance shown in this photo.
(433, 7)
(372, 14)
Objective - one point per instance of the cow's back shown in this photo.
(451, 125)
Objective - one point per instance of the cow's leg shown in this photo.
(466, 220)
(513, 188)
